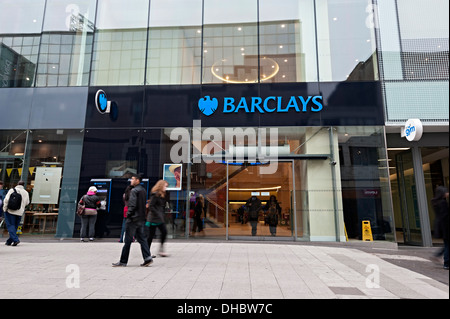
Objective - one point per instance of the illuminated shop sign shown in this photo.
(413, 130)
(272, 104)
(102, 103)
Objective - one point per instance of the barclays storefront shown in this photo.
(231, 100)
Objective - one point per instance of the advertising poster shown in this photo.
(47, 185)
(172, 173)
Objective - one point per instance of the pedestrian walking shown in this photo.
(253, 206)
(91, 203)
(134, 226)
(126, 198)
(441, 226)
(2, 197)
(199, 210)
(156, 215)
(14, 205)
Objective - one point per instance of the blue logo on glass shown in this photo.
(101, 101)
(208, 106)
(271, 104)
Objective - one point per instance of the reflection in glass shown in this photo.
(230, 43)
(120, 43)
(346, 40)
(287, 37)
(12, 150)
(66, 44)
(364, 170)
(174, 52)
(20, 28)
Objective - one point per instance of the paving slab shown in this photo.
(208, 270)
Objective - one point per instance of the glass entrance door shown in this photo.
(260, 205)
(407, 199)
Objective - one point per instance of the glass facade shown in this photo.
(174, 42)
(415, 59)
(45, 160)
(89, 42)
(66, 43)
(299, 68)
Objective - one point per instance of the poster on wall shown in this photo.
(172, 173)
(46, 185)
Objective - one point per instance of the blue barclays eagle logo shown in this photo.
(208, 106)
(103, 102)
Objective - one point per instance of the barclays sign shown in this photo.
(272, 104)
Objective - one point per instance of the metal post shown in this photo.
(226, 206)
(333, 176)
(294, 209)
(427, 240)
(188, 160)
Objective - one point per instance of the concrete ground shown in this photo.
(202, 269)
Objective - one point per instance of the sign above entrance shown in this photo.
(413, 130)
(271, 104)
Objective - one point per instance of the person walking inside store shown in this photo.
(91, 202)
(273, 210)
(441, 226)
(156, 215)
(253, 206)
(199, 209)
(14, 205)
(134, 226)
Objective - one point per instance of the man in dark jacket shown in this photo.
(134, 226)
(253, 206)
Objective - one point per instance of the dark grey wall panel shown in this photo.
(59, 108)
(15, 107)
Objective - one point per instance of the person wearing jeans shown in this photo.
(14, 216)
(134, 225)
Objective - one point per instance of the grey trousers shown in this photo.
(88, 222)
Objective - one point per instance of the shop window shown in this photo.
(12, 150)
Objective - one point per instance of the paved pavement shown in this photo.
(199, 269)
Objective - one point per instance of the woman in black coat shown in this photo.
(441, 223)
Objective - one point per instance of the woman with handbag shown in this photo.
(91, 203)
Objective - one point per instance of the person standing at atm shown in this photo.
(92, 203)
